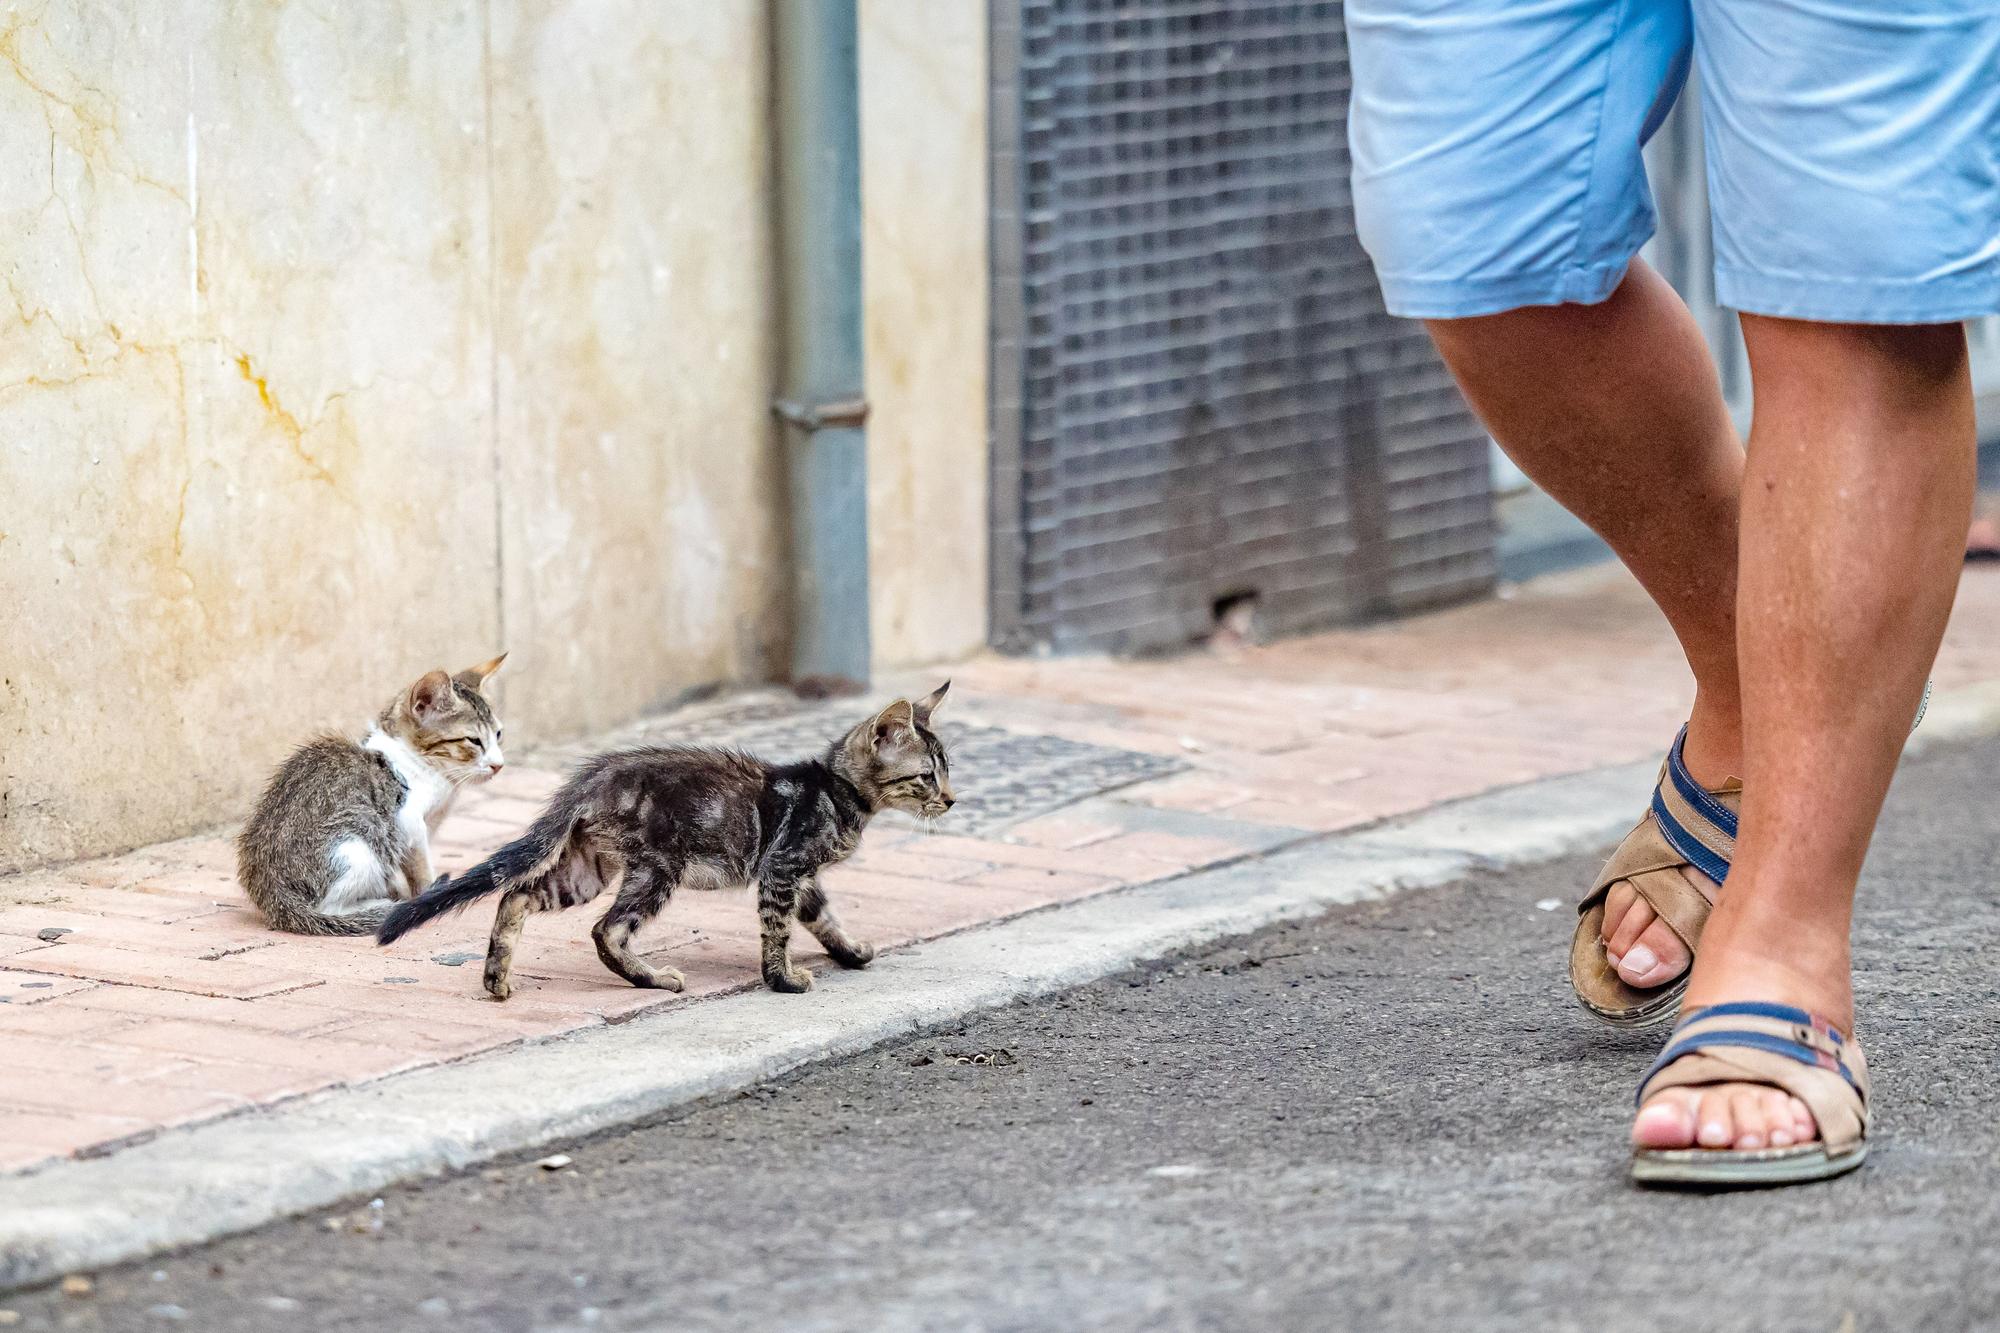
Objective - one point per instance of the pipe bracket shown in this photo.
(845, 412)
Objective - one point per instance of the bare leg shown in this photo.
(1614, 410)
(817, 916)
(1859, 487)
(643, 893)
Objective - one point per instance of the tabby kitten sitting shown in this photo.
(660, 818)
(345, 827)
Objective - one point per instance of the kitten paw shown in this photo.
(664, 978)
(499, 987)
(854, 955)
(793, 981)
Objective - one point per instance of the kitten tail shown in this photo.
(444, 895)
(310, 921)
(528, 857)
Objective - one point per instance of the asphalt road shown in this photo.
(1390, 1118)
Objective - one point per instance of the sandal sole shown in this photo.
(1724, 1168)
(1658, 1014)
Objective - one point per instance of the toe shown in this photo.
(1746, 1108)
(1618, 900)
(1638, 917)
(1666, 1121)
(1742, 1117)
(1783, 1126)
(1714, 1127)
(1656, 957)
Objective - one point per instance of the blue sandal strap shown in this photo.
(1690, 848)
(1783, 1013)
(1693, 792)
(1692, 806)
(1807, 1038)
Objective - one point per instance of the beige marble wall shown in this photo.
(643, 528)
(333, 350)
(924, 235)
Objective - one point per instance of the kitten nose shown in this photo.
(498, 765)
(950, 801)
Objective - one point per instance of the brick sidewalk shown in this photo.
(140, 992)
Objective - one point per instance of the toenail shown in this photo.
(1714, 1134)
(1640, 960)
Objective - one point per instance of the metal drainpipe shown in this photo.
(819, 224)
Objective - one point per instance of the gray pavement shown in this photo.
(1388, 1118)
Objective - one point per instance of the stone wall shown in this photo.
(339, 342)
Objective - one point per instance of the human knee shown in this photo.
(1881, 366)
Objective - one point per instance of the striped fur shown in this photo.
(650, 821)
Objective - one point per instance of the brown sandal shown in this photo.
(1688, 828)
(1779, 1047)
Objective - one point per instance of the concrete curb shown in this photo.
(229, 1176)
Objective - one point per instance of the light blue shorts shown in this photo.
(1853, 150)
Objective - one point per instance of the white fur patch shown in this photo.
(425, 791)
(359, 877)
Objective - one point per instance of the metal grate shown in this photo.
(1001, 776)
(1197, 391)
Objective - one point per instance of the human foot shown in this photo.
(1798, 1014)
(1743, 1116)
(1642, 948)
(1739, 1055)
(1772, 1051)
(1639, 924)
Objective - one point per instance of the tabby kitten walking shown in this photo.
(344, 827)
(660, 818)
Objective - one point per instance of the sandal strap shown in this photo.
(1775, 1045)
(1677, 900)
(1693, 820)
(1783, 1013)
(1705, 802)
(1676, 831)
(1779, 1028)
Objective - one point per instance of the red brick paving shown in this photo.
(169, 1003)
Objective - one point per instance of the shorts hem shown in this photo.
(1858, 301)
(1464, 298)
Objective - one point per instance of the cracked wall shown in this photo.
(331, 352)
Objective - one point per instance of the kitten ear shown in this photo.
(893, 724)
(927, 705)
(475, 678)
(430, 698)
